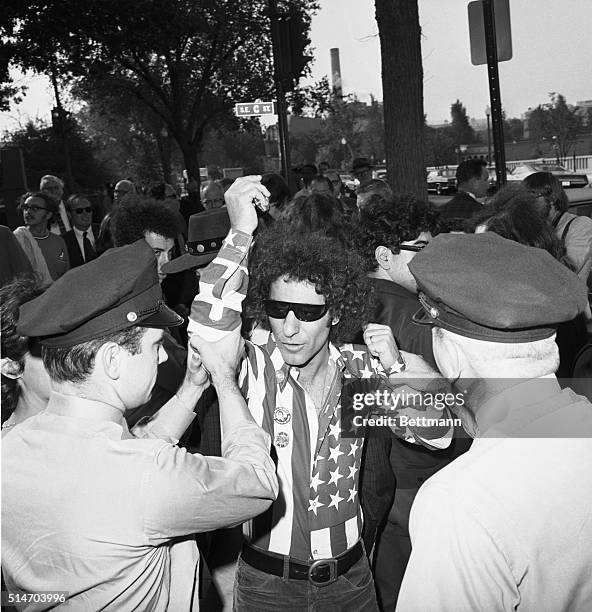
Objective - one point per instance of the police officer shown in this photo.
(88, 508)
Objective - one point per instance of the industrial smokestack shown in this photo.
(336, 72)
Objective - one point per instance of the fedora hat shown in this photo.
(206, 232)
(361, 163)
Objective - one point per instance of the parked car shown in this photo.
(349, 181)
(442, 181)
(567, 178)
(379, 173)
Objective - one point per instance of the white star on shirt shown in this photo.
(334, 430)
(366, 373)
(352, 495)
(335, 476)
(354, 447)
(335, 499)
(352, 471)
(315, 504)
(230, 238)
(334, 453)
(358, 355)
(316, 481)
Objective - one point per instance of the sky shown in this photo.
(552, 52)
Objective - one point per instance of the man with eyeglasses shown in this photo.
(212, 195)
(81, 240)
(312, 294)
(390, 236)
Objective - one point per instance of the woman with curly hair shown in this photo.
(25, 383)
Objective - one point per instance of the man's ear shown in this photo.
(110, 358)
(383, 257)
(11, 369)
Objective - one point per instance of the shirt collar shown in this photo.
(94, 413)
(286, 370)
(80, 233)
(517, 405)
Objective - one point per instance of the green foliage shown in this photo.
(557, 123)
(187, 61)
(460, 130)
(439, 147)
(43, 154)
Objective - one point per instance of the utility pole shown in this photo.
(62, 130)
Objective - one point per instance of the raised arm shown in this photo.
(223, 283)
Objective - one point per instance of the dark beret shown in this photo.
(486, 287)
(118, 290)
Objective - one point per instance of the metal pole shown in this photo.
(280, 93)
(488, 141)
(494, 92)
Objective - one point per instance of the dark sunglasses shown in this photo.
(416, 248)
(79, 211)
(303, 312)
(32, 207)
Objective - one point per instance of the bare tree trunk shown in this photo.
(402, 84)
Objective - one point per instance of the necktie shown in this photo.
(89, 252)
(60, 222)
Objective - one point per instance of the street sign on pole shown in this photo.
(254, 109)
(477, 34)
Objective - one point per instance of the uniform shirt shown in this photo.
(510, 519)
(317, 514)
(91, 510)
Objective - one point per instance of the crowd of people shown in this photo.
(319, 400)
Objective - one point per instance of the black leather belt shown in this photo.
(320, 572)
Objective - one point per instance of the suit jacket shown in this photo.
(75, 254)
(457, 211)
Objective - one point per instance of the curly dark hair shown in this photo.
(336, 272)
(386, 223)
(14, 346)
(140, 215)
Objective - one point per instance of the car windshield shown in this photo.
(548, 167)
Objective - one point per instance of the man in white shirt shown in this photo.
(507, 525)
(88, 508)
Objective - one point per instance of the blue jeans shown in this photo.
(257, 591)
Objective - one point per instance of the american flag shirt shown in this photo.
(317, 514)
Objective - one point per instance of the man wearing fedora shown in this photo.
(506, 526)
(362, 170)
(93, 517)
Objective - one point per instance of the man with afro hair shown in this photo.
(311, 292)
(144, 218)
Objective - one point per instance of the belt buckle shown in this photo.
(330, 567)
